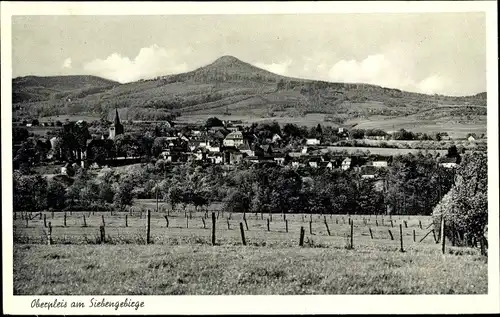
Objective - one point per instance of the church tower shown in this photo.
(116, 128)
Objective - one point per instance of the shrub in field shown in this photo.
(465, 206)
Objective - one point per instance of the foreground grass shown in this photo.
(209, 270)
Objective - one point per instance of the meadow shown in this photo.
(181, 259)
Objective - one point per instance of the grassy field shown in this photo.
(181, 259)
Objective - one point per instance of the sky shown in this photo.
(442, 53)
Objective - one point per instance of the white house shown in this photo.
(276, 138)
(346, 163)
(380, 163)
(312, 141)
(471, 138)
(234, 139)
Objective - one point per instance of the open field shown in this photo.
(181, 259)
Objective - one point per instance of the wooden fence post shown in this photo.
(376, 222)
(286, 225)
(443, 236)
(126, 220)
(103, 234)
(371, 233)
(65, 218)
(166, 219)
(26, 221)
(302, 217)
(187, 222)
(261, 216)
(390, 233)
(420, 223)
(301, 240)
(103, 222)
(242, 234)
(268, 229)
(383, 222)
(84, 221)
(336, 220)
(52, 214)
(49, 236)
(352, 236)
(246, 224)
(204, 225)
(414, 236)
(148, 236)
(327, 229)
(310, 227)
(228, 225)
(434, 235)
(406, 223)
(270, 217)
(392, 224)
(401, 237)
(213, 228)
(45, 220)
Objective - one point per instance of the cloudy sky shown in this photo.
(431, 53)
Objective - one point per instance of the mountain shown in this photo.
(34, 88)
(230, 87)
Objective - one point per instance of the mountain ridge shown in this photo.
(231, 86)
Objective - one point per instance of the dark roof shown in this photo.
(368, 170)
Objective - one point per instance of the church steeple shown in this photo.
(117, 117)
(117, 127)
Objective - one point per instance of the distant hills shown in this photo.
(231, 87)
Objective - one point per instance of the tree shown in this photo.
(124, 194)
(213, 122)
(30, 192)
(465, 206)
(56, 195)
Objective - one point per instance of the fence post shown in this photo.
(443, 239)
(242, 234)
(148, 237)
(406, 223)
(45, 220)
(65, 218)
(376, 222)
(49, 236)
(371, 233)
(268, 224)
(310, 227)
(401, 237)
(286, 225)
(261, 216)
(52, 214)
(301, 240)
(327, 229)
(352, 235)
(383, 222)
(390, 233)
(103, 222)
(204, 225)
(420, 223)
(246, 224)
(213, 228)
(302, 217)
(103, 233)
(228, 225)
(434, 235)
(336, 220)
(270, 217)
(392, 224)
(126, 220)
(84, 221)
(414, 236)
(40, 215)
(187, 222)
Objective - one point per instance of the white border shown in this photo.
(314, 304)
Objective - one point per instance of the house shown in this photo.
(449, 162)
(471, 138)
(346, 164)
(215, 158)
(280, 158)
(368, 171)
(314, 161)
(251, 149)
(276, 138)
(267, 149)
(213, 146)
(304, 150)
(233, 139)
(313, 141)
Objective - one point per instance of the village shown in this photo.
(226, 143)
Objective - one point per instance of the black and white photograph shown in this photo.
(176, 153)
